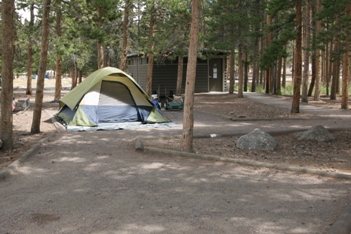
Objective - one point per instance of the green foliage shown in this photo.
(227, 23)
(333, 13)
(283, 29)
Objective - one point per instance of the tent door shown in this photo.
(116, 104)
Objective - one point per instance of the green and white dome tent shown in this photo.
(107, 96)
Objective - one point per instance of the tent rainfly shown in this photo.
(108, 95)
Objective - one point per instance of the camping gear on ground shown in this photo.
(108, 95)
(174, 102)
(20, 105)
(155, 101)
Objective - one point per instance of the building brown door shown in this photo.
(215, 74)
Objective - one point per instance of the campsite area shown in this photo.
(97, 182)
(324, 155)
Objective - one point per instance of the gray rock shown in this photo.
(317, 133)
(0, 143)
(258, 140)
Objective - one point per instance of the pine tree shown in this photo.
(7, 54)
(188, 125)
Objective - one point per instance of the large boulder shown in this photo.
(317, 133)
(257, 140)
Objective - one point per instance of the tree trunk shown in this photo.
(295, 108)
(80, 76)
(246, 72)
(58, 70)
(58, 79)
(123, 66)
(346, 67)
(338, 78)
(29, 69)
(255, 72)
(8, 51)
(306, 62)
(241, 73)
(150, 66)
(30, 52)
(42, 68)
(273, 80)
(335, 72)
(278, 77)
(313, 77)
(179, 76)
(262, 73)
(293, 66)
(268, 42)
(100, 49)
(255, 75)
(284, 73)
(329, 68)
(231, 71)
(317, 95)
(74, 75)
(188, 125)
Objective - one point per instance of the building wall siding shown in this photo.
(139, 73)
(142, 75)
(165, 77)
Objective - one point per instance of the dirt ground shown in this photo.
(22, 122)
(333, 155)
(330, 156)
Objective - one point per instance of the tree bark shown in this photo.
(30, 52)
(256, 70)
(241, 73)
(150, 66)
(42, 68)
(188, 125)
(123, 65)
(8, 51)
(279, 77)
(246, 72)
(268, 42)
(231, 72)
(327, 67)
(313, 77)
(100, 49)
(58, 70)
(317, 91)
(58, 79)
(346, 67)
(335, 70)
(295, 108)
(179, 76)
(284, 73)
(74, 74)
(306, 40)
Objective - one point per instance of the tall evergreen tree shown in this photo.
(188, 125)
(7, 57)
(295, 108)
(35, 128)
(127, 8)
(58, 70)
